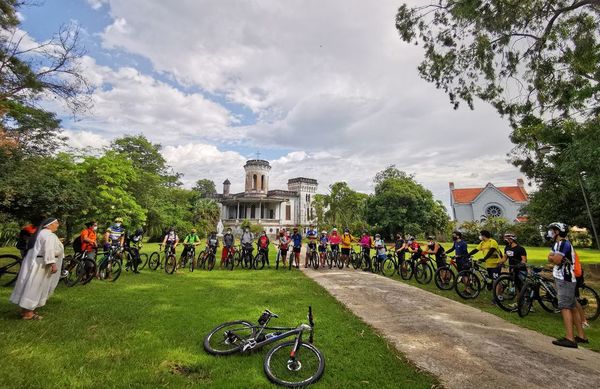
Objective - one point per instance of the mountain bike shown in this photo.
(189, 258)
(356, 258)
(293, 363)
(154, 260)
(79, 268)
(247, 257)
(505, 290)
(389, 267)
(445, 276)
(132, 254)
(9, 268)
(537, 287)
(334, 258)
(470, 282)
(292, 260)
(232, 258)
(313, 257)
(207, 258)
(589, 301)
(111, 264)
(260, 259)
(281, 257)
(170, 259)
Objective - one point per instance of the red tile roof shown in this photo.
(467, 195)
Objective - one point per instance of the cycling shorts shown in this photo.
(345, 250)
(297, 249)
(335, 247)
(322, 249)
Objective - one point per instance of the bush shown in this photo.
(581, 239)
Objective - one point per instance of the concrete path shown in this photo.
(463, 346)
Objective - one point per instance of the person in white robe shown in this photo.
(40, 270)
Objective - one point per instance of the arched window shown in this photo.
(262, 182)
(493, 211)
(254, 183)
(253, 211)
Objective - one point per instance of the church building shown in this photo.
(477, 204)
(272, 208)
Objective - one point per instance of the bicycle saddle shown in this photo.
(274, 315)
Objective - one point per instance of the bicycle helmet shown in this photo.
(510, 235)
(347, 230)
(324, 232)
(193, 230)
(562, 229)
(334, 230)
(377, 236)
(118, 220)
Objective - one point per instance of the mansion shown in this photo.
(273, 209)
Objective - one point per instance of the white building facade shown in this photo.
(273, 209)
(477, 204)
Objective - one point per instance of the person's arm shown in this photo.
(451, 249)
(164, 242)
(524, 257)
(556, 257)
(176, 241)
(502, 260)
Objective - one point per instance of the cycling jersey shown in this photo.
(366, 241)
(228, 239)
(380, 247)
(347, 240)
(564, 271)
(323, 241)
(485, 246)
(263, 242)
(297, 239)
(283, 242)
(115, 233)
(212, 241)
(191, 239)
(460, 248)
(311, 235)
(335, 239)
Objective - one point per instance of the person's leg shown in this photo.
(567, 315)
(578, 318)
(136, 259)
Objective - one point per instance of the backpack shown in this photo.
(577, 269)
(77, 244)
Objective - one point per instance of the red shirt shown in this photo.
(88, 234)
(263, 242)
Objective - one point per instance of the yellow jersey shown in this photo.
(485, 246)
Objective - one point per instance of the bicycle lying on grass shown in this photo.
(9, 268)
(294, 363)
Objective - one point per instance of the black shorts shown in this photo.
(440, 262)
(463, 264)
(345, 251)
(297, 249)
(335, 247)
(322, 249)
(284, 251)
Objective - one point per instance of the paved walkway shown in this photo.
(461, 345)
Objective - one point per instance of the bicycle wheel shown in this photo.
(388, 268)
(230, 262)
(467, 284)
(201, 263)
(192, 264)
(259, 261)
(406, 270)
(505, 292)
(590, 302)
(88, 271)
(154, 260)
(226, 338)
(70, 265)
(115, 269)
(546, 298)
(170, 264)
(444, 278)
(329, 259)
(423, 273)
(237, 259)
(525, 300)
(304, 369)
(277, 260)
(143, 261)
(314, 260)
(9, 268)
(210, 262)
(338, 261)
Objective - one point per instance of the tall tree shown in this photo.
(538, 63)
(345, 207)
(205, 188)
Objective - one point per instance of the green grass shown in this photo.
(146, 330)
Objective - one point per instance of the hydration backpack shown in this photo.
(77, 244)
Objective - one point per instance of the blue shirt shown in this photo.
(565, 271)
(460, 248)
(297, 239)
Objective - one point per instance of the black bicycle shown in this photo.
(78, 269)
(247, 257)
(445, 276)
(280, 258)
(294, 363)
(170, 259)
(470, 282)
(110, 265)
(189, 258)
(207, 258)
(9, 268)
(313, 257)
(260, 260)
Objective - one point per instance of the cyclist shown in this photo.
(171, 239)
(263, 245)
(132, 243)
(414, 248)
(283, 242)
(380, 250)
(347, 240)
(88, 239)
(323, 242)
(312, 235)
(115, 234)
(563, 258)
(435, 249)
(400, 247)
(491, 255)
(334, 241)
(191, 239)
(297, 239)
(366, 242)
(228, 240)
(212, 242)
(460, 249)
(246, 240)
(517, 259)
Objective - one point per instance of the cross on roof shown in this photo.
(258, 155)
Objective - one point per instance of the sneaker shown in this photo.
(564, 342)
(581, 340)
(64, 274)
(585, 324)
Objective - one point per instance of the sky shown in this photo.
(321, 89)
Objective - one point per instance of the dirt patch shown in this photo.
(193, 372)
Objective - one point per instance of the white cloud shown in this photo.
(85, 140)
(97, 4)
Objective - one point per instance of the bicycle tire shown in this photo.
(338, 261)
(329, 259)
(210, 262)
(406, 270)
(237, 259)
(11, 265)
(192, 264)
(89, 271)
(170, 264)
(590, 302)
(505, 293)
(356, 261)
(277, 259)
(388, 268)
(229, 342)
(230, 262)
(284, 349)
(71, 266)
(423, 273)
(259, 261)
(545, 299)
(472, 283)
(154, 260)
(314, 260)
(201, 262)
(525, 301)
(143, 261)
(448, 282)
(115, 269)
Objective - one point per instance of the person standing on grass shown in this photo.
(516, 255)
(228, 240)
(563, 258)
(297, 241)
(491, 255)
(283, 242)
(400, 248)
(39, 272)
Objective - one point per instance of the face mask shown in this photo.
(455, 238)
(95, 228)
(480, 237)
(117, 224)
(431, 243)
(551, 234)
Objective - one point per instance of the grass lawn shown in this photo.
(146, 330)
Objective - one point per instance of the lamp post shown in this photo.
(585, 199)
